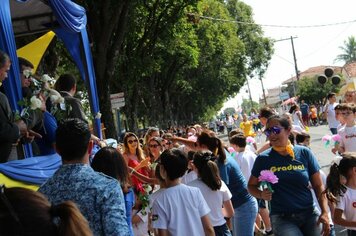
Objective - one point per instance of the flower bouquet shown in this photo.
(326, 139)
(267, 178)
(250, 140)
(336, 138)
(144, 196)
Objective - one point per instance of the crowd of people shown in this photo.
(185, 182)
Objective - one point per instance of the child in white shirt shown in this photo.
(214, 190)
(179, 209)
(348, 132)
(343, 193)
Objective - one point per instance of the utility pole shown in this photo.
(249, 92)
(295, 59)
(263, 90)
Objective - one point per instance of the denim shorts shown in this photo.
(296, 224)
(222, 230)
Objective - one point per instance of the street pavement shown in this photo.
(322, 153)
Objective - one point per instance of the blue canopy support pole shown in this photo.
(91, 82)
(12, 84)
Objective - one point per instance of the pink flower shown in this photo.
(336, 138)
(250, 140)
(326, 138)
(268, 176)
(231, 149)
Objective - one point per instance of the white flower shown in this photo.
(147, 188)
(98, 115)
(56, 100)
(54, 92)
(63, 107)
(46, 78)
(27, 73)
(36, 103)
(55, 96)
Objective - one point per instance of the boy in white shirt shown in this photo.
(348, 132)
(179, 209)
(245, 158)
(329, 113)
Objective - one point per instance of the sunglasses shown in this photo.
(154, 146)
(132, 141)
(273, 130)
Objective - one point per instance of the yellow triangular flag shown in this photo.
(35, 50)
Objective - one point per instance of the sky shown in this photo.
(314, 46)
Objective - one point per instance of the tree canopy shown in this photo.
(349, 51)
(177, 61)
(310, 90)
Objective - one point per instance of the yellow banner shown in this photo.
(34, 51)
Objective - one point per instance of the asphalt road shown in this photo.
(322, 153)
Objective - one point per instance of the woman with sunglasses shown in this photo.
(155, 148)
(133, 155)
(292, 210)
(150, 133)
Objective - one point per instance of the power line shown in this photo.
(268, 25)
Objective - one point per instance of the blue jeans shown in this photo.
(332, 230)
(296, 224)
(244, 218)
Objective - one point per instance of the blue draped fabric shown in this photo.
(73, 33)
(70, 15)
(71, 41)
(91, 81)
(12, 84)
(35, 170)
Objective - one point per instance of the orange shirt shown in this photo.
(313, 112)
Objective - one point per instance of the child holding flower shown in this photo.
(348, 132)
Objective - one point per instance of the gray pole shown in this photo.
(249, 92)
(295, 59)
(263, 90)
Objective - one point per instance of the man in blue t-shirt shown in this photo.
(304, 108)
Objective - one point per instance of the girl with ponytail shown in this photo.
(24, 212)
(341, 189)
(244, 204)
(214, 191)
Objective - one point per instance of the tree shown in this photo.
(172, 67)
(107, 24)
(246, 106)
(312, 92)
(229, 110)
(349, 51)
